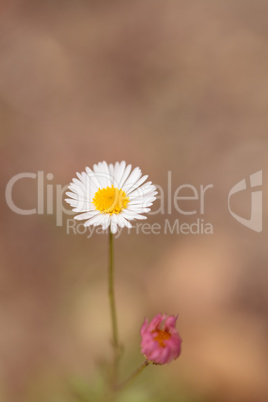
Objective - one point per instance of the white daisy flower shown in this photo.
(111, 195)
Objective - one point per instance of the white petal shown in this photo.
(132, 179)
(92, 221)
(86, 215)
(74, 196)
(106, 222)
(113, 227)
(137, 184)
(143, 190)
(124, 222)
(124, 176)
(111, 171)
(102, 173)
(118, 172)
(93, 178)
(132, 215)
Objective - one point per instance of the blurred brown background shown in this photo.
(178, 86)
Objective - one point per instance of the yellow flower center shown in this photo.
(110, 200)
(161, 337)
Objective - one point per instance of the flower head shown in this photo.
(161, 342)
(111, 195)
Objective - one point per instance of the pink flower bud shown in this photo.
(161, 342)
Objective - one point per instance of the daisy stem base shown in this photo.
(115, 339)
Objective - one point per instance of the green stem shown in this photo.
(133, 375)
(113, 309)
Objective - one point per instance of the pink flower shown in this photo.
(160, 345)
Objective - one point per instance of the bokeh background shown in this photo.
(167, 85)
